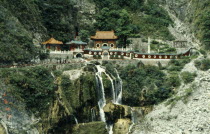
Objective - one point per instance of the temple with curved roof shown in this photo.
(104, 38)
(53, 44)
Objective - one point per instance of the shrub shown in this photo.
(57, 73)
(188, 77)
(177, 65)
(65, 82)
(203, 52)
(188, 93)
(35, 86)
(145, 85)
(94, 56)
(203, 64)
(173, 80)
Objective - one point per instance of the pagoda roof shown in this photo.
(104, 35)
(77, 42)
(52, 41)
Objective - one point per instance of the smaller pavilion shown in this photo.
(53, 44)
(73, 45)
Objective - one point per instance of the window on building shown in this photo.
(112, 45)
(97, 45)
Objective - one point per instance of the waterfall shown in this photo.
(5, 127)
(118, 89)
(111, 129)
(113, 88)
(52, 75)
(93, 114)
(76, 121)
(102, 99)
(132, 119)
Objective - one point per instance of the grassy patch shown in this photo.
(188, 77)
(184, 98)
(203, 65)
(178, 65)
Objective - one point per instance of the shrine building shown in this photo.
(53, 44)
(104, 39)
(73, 45)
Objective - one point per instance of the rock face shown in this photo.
(73, 74)
(86, 12)
(180, 12)
(90, 128)
(114, 112)
(14, 117)
(189, 115)
(2, 129)
(122, 126)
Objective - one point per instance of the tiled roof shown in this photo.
(52, 41)
(104, 35)
(77, 42)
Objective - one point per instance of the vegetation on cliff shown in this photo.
(200, 21)
(133, 18)
(33, 86)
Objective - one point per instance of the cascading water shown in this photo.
(102, 99)
(113, 88)
(111, 129)
(76, 121)
(132, 119)
(93, 114)
(118, 89)
(52, 75)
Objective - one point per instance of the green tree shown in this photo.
(84, 34)
(36, 90)
(118, 20)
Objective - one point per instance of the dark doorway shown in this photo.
(105, 45)
(79, 55)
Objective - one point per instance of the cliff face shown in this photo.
(186, 112)
(40, 19)
(24, 24)
(190, 18)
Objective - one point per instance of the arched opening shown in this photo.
(79, 55)
(112, 45)
(105, 45)
(105, 55)
(97, 45)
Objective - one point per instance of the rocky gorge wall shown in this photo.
(182, 113)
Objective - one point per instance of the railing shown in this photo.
(66, 52)
(113, 49)
(60, 52)
(121, 49)
(81, 50)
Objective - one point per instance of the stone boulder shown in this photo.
(2, 130)
(114, 112)
(122, 126)
(90, 128)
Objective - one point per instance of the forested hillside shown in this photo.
(28, 22)
(104, 96)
